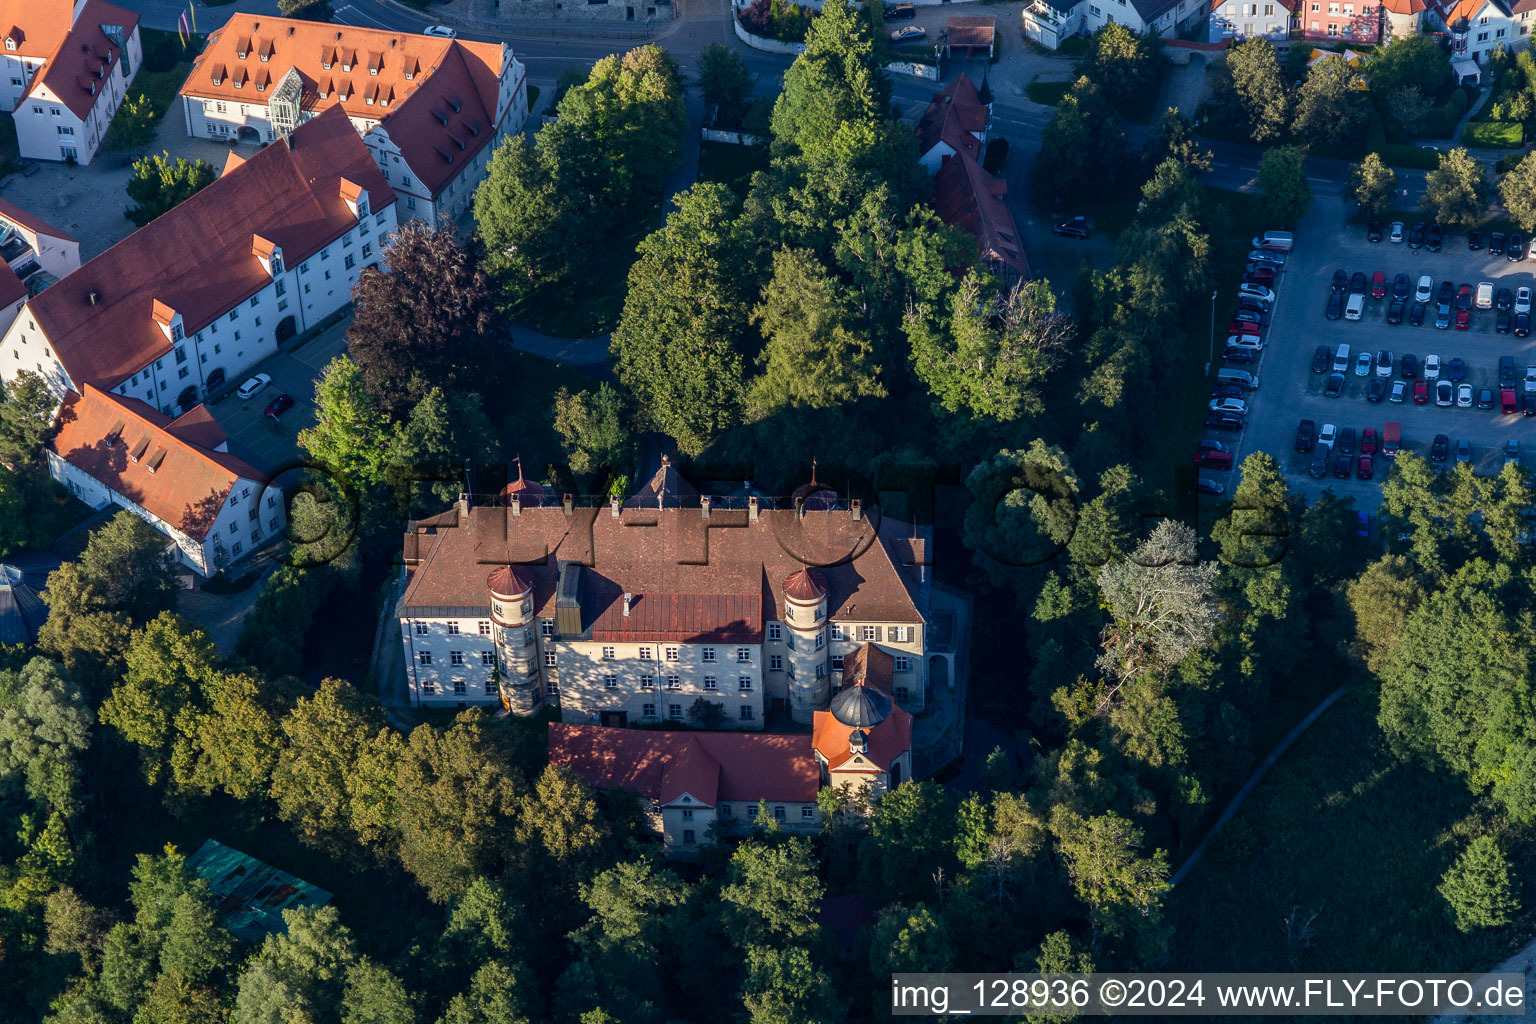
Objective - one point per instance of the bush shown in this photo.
(1410, 156)
(1493, 135)
(778, 19)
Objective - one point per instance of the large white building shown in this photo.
(185, 305)
(65, 68)
(1051, 22)
(636, 613)
(429, 109)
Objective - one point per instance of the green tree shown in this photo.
(26, 418)
(1283, 180)
(725, 82)
(1253, 91)
(1411, 62)
(1517, 188)
(297, 974)
(772, 891)
(1479, 888)
(1127, 66)
(992, 354)
(1107, 871)
(1024, 508)
(678, 344)
(373, 995)
(561, 815)
(1174, 139)
(909, 940)
(133, 124)
(1160, 599)
(1082, 149)
(1382, 598)
(534, 232)
(352, 437)
(815, 356)
(1373, 185)
(912, 831)
(492, 998)
(425, 323)
(45, 725)
(445, 431)
(1456, 192)
(594, 428)
(122, 579)
(784, 986)
(160, 184)
(1330, 105)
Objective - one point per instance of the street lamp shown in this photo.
(1211, 353)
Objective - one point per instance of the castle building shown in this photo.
(429, 109)
(673, 607)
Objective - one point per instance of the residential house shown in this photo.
(1354, 21)
(33, 255)
(1240, 19)
(430, 110)
(635, 612)
(1049, 22)
(65, 68)
(956, 121)
(1476, 28)
(186, 304)
(175, 474)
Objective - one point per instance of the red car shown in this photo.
(1368, 440)
(1260, 275)
(1378, 284)
(1363, 468)
(1208, 458)
(1243, 327)
(1421, 392)
(1507, 400)
(279, 405)
(1463, 319)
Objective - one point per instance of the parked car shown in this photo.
(1425, 289)
(900, 12)
(1455, 369)
(1446, 294)
(908, 34)
(1514, 249)
(1431, 367)
(1523, 299)
(1416, 236)
(1239, 355)
(1249, 341)
(1205, 485)
(1272, 256)
(1434, 237)
(1439, 448)
(1503, 320)
(1396, 232)
(1464, 395)
(1343, 466)
(1464, 297)
(1224, 421)
(1503, 299)
(1368, 440)
(1511, 453)
(1077, 227)
(1507, 401)
(1506, 370)
(1328, 436)
(1496, 243)
(1321, 357)
(1335, 386)
(1401, 286)
(1528, 404)
(253, 385)
(1409, 366)
(1474, 240)
(1484, 297)
(1395, 312)
(1363, 364)
(278, 406)
(1416, 314)
(1256, 291)
(1421, 392)
(1485, 398)
(1347, 440)
(1373, 231)
(441, 31)
(1306, 435)
(1233, 405)
(1463, 319)
(1378, 284)
(1227, 391)
(1399, 389)
(1243, 327)
(1442, 317)
(1445, 393)
(1377, 391)
(1335, 306)
(1264, 275)
(1251, 316)
(1357, 283)
(1319, 465)
(1463, 451)
(1522, 325)
(1365, 468)
(1340, 280)
(1384, 361)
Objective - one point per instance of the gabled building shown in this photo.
(1478, 27)
(430, 110)
(183, 306)
(863, 741)
(1240, 20)
(175, 474)
(956, 121)
(65, 68)
(635, 614)
(1348, 21)
(1049, 22)
(29, 244)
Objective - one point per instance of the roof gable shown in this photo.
(662, 766)
(81, 60)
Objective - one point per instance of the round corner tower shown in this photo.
(511, 617)
(805, 616)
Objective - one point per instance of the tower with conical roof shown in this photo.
(522, 692)
(805, 635)
(864, 740)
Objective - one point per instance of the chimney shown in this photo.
(752, 508)
(857, 508)
(799, 508)
(95, 297)
(463, 505)
(628, 597)
(569, 504)
(858, 742)
(613, 506)
(704, 505)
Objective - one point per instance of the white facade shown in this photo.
(1267, 19)
(47, 129)
(247, 331)
(1049, 25)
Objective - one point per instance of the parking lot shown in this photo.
(1290, 392)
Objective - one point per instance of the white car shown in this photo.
(1251, 342)
(1397, 231)
(1363, 364)
(441, 31)
(1522, 299)
(1431, 367)
(1327, 436)
(1464, 396)
(1426, 289)
(1530, 379)
(1257, 291)
(1236, 405)
(254, 385)
(1484, 298)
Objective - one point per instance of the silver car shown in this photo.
(1363, 364)
(1464, 396)
(1522, 299)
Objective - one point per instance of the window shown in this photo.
(458, 687)
(645, 654)
(725, 810)
(65, 129)
(778, 814)
(271, 501)
(421, 629)
(902, 693)
(272, 523)
(485, 627)
(746, 712)
(236, 548)
(233, 527)
(674, 683)
(367, 249)
(428, 687)
(424, 657)
(1482, 37)
(546, 627)
(648, 710)
(487, 657)
(346, 240)
(647, 682)
(687, 813)
(405, 179)
(675, 712)
(490, 688)
(254, 300)
(453, 629)
(821, 670)
(838, 632)
(711, 683)
(821, 639)
(1483, 20)
(807, 813)
(1094, 11)
(837, 663)
(671, 653)
(282, 286)
(743, 654)
(744, 684)
(869, 633)
(1499, 34)
(549, 659)
(610, 682)
(608, 654)
(1333, 29)
(776, 663)
(456, 657)
(903, 663)
(903, 634)
(775, 631)
(688, 837)
(751, 810)
(348, 262)
(709, 654)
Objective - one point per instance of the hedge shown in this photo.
(1493, 135)
(1409, 156)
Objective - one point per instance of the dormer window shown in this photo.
(277, 262)
(10, 44)
(362, 207)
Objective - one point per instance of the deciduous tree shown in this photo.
(1517, 188)
(725, 82)
(133, 125)
(1330, 105)
(45, 725)
(594, 428)
(1253, 90)
(1373, 185)
(1127, 66)
(1283, 180)
(1456, 192)
(159, 184)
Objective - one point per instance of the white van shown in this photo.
(1241, 378)
(1355, 307)
(1282, 240)
(1484, 298)
(1341, 359)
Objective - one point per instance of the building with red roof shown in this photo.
(67, 68)
(429, 109)
(176, 474)
(183, 306)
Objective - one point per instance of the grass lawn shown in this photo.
(1493, 135)
(1342, 830)
(731, 164)
(1047, 93)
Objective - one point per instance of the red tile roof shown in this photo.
(805, 585)
(710, 766)
(953, 115)
(12, 288)
(77, 57)
(972, 33)
(886, 741)
(966, 196)
(198, 427)
(686, 618)
(143, 455)
(197, 258)
(667, 488)
(435, 97)
(656, 553)
(1405, 7)
(35, 224)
